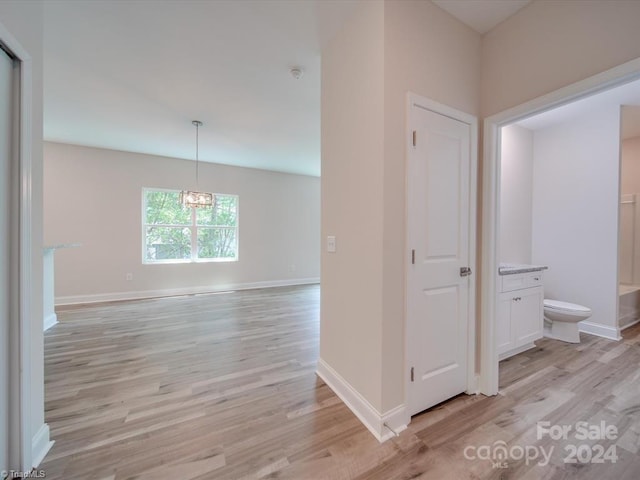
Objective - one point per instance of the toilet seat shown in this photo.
(557, 305)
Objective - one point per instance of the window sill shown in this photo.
(200, 260)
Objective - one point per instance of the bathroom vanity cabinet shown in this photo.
(520, 312)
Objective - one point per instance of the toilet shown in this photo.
(561, 320)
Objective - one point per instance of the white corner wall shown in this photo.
(575, 214)
(352, 201)
(516, 194)
(279, 225)
(384, 51)
(24, 20)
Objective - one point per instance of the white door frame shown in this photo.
(415, 99)
(614, 77)
(21, 251)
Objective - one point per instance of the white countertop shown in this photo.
(513, 268)
(61, 245)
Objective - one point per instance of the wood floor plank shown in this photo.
(223, 386)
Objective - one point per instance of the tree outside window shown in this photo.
(175, 233)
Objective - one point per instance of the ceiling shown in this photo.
(481, 15)
(133, 75)
(628, 94)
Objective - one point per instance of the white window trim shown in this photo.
(193, 227)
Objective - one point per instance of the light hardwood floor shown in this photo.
(223, 387)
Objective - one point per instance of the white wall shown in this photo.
(24, 22)
(352, 201)
(516, 194)
(279, 218)
(575, 212)
(550, 44)
(385, 50)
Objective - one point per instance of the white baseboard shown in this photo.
(630, 324)
(395, 418)
(515, 351)
(627, 316)
(49, 321)
(612, 333)
(137, 295)
(40, 445)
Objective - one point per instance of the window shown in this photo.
(174, 233)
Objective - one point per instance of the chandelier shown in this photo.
(195, 199)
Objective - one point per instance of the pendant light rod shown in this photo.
(197, 124)
(197, 199)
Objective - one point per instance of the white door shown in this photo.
(6, 99)
(438, 288)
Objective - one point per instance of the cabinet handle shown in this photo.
(517, 299)
(536, 278)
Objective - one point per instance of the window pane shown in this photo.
(224, 213)
(168, 243)
(217, 243)
(164, 208)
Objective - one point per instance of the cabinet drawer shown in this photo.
(513, 282)
(534, 279)
(520, 281)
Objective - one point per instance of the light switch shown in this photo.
(331, 244)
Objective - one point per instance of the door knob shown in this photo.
(465, 271)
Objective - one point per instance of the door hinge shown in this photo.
(412, 374)
(413, 257)
(414, 138)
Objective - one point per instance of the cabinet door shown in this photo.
(504, 330)
(527, 315)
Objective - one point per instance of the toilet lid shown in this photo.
(565, 306)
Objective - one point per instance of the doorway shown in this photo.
(601, 83)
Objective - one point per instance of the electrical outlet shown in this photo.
(128, 276)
